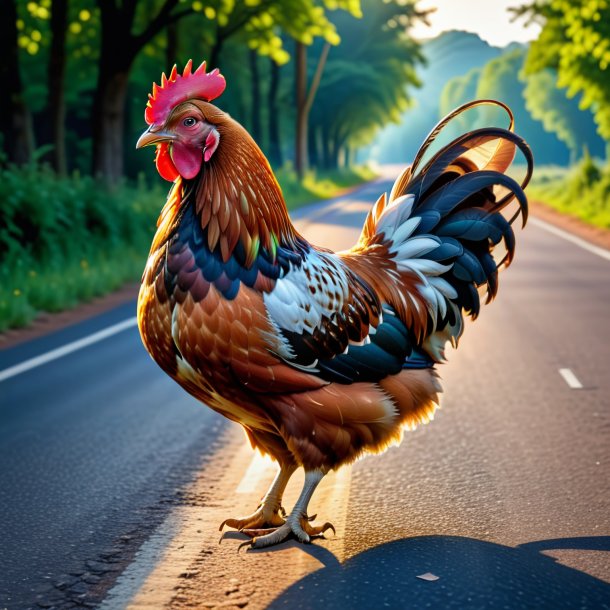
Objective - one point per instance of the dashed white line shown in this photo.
(570, 379)
(585, 245)
(64, 350)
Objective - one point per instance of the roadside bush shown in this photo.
(64, 241)
(583, 192)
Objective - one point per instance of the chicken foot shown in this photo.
(269, 512)
(297, 524)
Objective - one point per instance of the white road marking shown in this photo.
(64, 350)
(570, 379)
(585, 245)
(259, 467)
(134, 576)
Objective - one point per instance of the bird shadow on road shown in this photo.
(471, 574)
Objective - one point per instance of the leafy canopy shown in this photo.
(575, 40)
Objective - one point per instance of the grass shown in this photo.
(67, 241)
(582, 191)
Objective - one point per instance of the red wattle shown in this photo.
(165, 165)
(187, 159)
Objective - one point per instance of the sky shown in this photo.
(487, 18)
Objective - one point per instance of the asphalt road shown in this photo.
(505, 496)
(94, 447)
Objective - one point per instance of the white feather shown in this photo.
(444, 287)
(292, 305)
(424, 266)
(415, 247)
(404, 231)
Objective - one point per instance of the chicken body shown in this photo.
(320, 356)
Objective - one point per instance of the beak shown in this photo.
(154, 137)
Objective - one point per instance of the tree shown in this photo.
(560, 115)
(125, 30)
(15, 118)
(304, 21)
(367, 79)
(273, 118)
(258, 23)
(500, 80)
(575, 41)
(255, 78)
(304, 100)
(119, 46)
(56, 83)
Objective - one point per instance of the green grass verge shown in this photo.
(582, 191)
(66, 241)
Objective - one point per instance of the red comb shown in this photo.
(181, 87)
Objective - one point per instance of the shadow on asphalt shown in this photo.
(472, 574)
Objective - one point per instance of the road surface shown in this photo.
(113, 481)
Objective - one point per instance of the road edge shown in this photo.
(47, 323)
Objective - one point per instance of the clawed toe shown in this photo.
(253, 533)
(258, 520)
(299, 529)
(317, 531)
(268, 527)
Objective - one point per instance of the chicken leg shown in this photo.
(297, 524)
(269, 512)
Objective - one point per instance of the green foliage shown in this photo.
(583, 192)
(367, 78)
(559, 114)
(63, 241)
(575, 40)
(499, 79)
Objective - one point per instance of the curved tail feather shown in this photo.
(443, 225)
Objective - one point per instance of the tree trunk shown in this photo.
(300, 154)
(215, 54)
(325, 147)
(255, 104)
(171, 50)
(119, 47)
(347, 157)
(336, 148)
(56, 78)
(314, 160)
(275, 148)
(305, 98)
(108, 118)
(117, 53)
(15, 118)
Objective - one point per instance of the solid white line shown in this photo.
(259, 467)
(585, 245)
(570, 379)
(64, 350)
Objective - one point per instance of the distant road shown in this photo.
(96, 446)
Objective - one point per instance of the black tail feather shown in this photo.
(460, 194)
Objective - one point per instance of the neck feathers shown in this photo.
(239, 201)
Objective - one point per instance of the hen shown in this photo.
(320, 356)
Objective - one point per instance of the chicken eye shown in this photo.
(189, 121)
